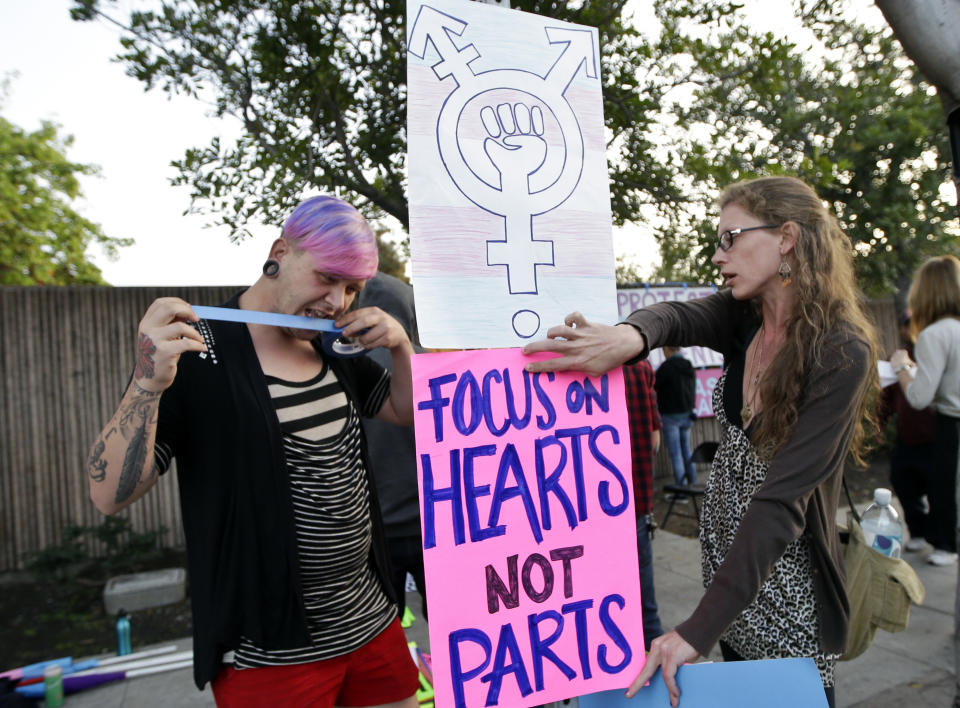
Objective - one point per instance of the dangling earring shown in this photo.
(271, 268)
(786, 274)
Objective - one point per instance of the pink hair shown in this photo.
(336, 235)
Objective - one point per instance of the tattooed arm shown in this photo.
(121, 465)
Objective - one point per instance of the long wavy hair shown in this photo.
(827, 300)
(934, 292)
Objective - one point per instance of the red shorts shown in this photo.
(381, 671)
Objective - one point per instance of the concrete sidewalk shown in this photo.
(911, 668)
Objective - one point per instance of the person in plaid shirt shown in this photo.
(645, 428)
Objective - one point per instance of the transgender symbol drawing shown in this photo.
(510, 142)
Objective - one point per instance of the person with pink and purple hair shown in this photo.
(291, 597)
(336, 234)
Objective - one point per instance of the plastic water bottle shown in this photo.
(123, 633)
(881, 525)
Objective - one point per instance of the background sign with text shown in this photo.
(708, 362)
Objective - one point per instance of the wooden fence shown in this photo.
(66, 355)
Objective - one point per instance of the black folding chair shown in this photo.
(702, 454)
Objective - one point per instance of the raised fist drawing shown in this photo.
(514, 145)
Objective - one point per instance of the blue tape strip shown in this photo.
(229, 314)
(332, 343)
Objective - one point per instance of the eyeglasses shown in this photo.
(725, 239)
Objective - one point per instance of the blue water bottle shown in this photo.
(123, 633)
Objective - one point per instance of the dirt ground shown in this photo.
(45, 620)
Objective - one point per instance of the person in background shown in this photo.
(676, 393)
(800, 357)
(934, 380)
(393, 454)
(911, 459)
(644, 442)
(289, 589)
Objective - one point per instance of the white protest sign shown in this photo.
(630, 299)
(510, 225)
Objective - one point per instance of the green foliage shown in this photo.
(684, 250)
(320, 89)
(125, 550)
(628, 273)
(850, 115)
(392, 260)
(55, 561)
(43, 241)
(699, 101)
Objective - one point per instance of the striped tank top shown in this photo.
(345, 604)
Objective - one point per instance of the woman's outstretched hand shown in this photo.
(668, 652)
(586, 346)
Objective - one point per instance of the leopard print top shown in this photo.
(782, 621)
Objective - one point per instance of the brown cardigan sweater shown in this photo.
(804, 479)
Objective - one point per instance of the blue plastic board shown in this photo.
(785, 683)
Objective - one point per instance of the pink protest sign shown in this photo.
(706, 382)
(529, 533)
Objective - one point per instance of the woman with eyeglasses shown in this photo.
(799, 360)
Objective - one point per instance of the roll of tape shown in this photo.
(337, 345)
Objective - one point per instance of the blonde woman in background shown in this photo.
(934, 380)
